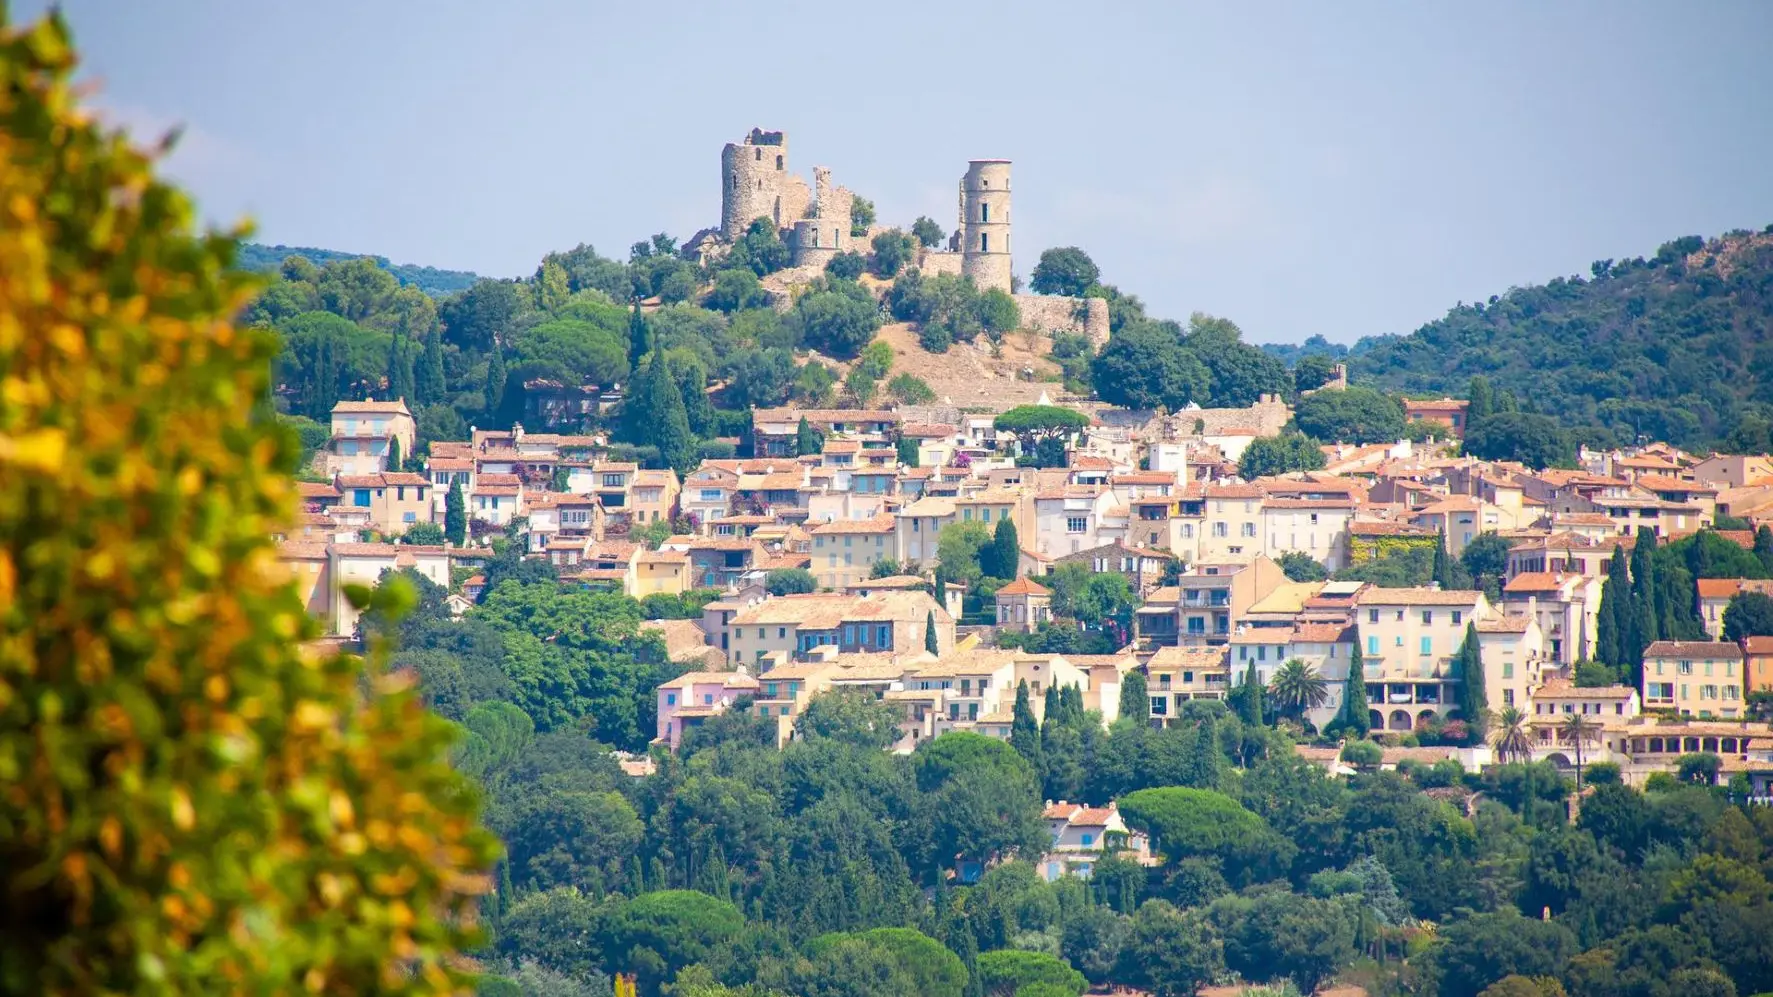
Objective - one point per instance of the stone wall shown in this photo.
(933, 262)
(1051, 313)
(751, 181)
(816, 240)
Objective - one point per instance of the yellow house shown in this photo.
(793, 625)
(652, 497)
(661, 571)
(1694, 678)
(395, 501)
(361, 432)
(845, 550)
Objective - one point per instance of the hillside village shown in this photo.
(860, 504)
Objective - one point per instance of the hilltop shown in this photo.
(432, 281)
(1678, 347)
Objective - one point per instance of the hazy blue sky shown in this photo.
(1334, 168)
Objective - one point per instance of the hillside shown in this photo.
(432, 281)
(1678, 347)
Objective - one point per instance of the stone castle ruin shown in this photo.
(755, 182)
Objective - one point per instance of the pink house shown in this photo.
(693, 697)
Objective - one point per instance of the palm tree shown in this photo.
(1514, 744)
(1578, 731)
(1297, 687)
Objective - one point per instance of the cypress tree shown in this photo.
(1003, 556)
(638, 345)
(1204, 763)
(1354, 692)
(494, 390)
(455, 516)
(400, 369)
(692, 385)
(1613, 628)
(1135, 697)
(1764, 547)
(1025, 730)
(807, 441)
(1052, 712)
(1645, 624)
(429, 385)
(395, 461)
(655, 414)
(1474, 701)
(1249, 704)
(930, 643)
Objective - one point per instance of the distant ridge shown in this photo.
(432, 281)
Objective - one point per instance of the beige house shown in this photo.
(652, 496)
(793, 625)
(1411, 637)
(1715, 595)
(1175, 675)
(1733, 470)
(846, 550)
(1212, 598)
(1083, 836)
(361, 432)
(1023, 605)
(1512, 649)
(1318, 527)
(1567, 606)
(1694, 678)
(1231, 526)
(364, 564)
(395, 500)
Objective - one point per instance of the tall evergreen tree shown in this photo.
(1646, 625)
(1135, 697)
(1354, 692)
(1003, 556)
(1474, 700)
(655, 414)
(1052, 712)
(1204, 765)
(455, 516)
(639, 344)
(692, 384)
(1446, 570)
(1249, 704)
(1025, 730)
(429, 387)
(494, 391)
(1764, 547)
(400, 372)
(930, 642)
(807, 440)
(395, 460)
(1613, 629)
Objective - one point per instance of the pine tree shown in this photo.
(1249, 704)
(429, 386)
(1025, 730)
(1204, 764)
(455, 516)
(930, 643)
(1003, 556)
(1135, 697)
(1474, 701)
(494, 391)
(1354, 692)
(638, 341)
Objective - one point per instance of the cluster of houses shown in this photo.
(1154, 497)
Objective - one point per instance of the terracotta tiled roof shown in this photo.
(1322, 633)
(877, 524)
(1504, 625)
(1536, 581)
(370, 406)
(316, 490)
(1693, 649)
(1757, 645)
(1023, 586)
(1419, 597)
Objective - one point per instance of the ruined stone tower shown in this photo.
(755, 183)
(985, 223)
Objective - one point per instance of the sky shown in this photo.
(1304, 168)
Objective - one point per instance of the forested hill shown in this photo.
(432, 281)
(1678, 347)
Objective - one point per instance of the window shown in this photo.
(1088, 840)
(1731, 693)
(781, 632)
(984, 242)
(707, 699)
(1686, 668)
(1249, 529)
(671, 699)
(1372, 645)
(1457, 617)
(1708, 692)
(1508, 697)
(1372, 616)
(1508, 670)
(1427, 617)
(1428, 645)
(1188, 531)
(984, 211)
(1221, 530)
(1075, 524)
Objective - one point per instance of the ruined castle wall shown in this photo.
(815, 241)
(933, 262)
(1052, 313)
(796, 201)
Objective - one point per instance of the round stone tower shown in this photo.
(751, 178)
(985, 223)
(816, 240)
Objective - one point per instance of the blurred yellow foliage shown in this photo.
(188, 803)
